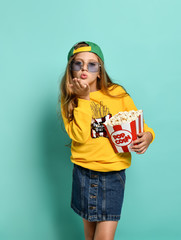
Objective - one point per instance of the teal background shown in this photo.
(140, 40)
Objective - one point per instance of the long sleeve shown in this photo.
(97, 153)
(80, 127)
(129, 105)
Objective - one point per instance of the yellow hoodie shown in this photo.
(90, 147)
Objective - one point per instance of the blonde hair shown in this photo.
(68, 100)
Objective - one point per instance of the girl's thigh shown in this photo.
(105, 230)
(89, 229)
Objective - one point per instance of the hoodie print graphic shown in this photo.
(100, 113)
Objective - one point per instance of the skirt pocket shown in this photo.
(122, 177)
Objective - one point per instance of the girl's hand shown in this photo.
(142, 143)
(80, 88)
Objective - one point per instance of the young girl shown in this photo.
(88, 98)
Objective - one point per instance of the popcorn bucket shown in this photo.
(122, 135)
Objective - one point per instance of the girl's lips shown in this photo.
(83, 76)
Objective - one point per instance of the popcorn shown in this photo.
(123, 128)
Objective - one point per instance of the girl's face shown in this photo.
(83, 58)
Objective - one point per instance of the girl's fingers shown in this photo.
(86, 87)
(140, 145)
(76, 86)
(83, 84)
(79, 87)
(137, 148)
(137, 141)
(141, 134)
(141, 137)
(70, 85)
(78, 83)
(141, 152)
(141, 149)
(74, 80)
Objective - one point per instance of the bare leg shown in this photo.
(105, 230)
(89, 229)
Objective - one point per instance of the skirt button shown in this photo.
(94, 176)
(92, 196)
(91, 208)
(93, 185)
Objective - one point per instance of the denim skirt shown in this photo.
(97, 196)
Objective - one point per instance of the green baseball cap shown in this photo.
(92, 47)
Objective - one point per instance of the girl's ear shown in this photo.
(99, 75)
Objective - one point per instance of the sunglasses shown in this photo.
(91, 66)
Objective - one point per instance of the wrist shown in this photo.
(85, 97)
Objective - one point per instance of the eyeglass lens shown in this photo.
(91, 66)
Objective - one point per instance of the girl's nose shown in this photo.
(84, 66)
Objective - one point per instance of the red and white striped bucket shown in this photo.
(121, 136)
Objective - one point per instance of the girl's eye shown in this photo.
(78, 63)
(92, 64)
